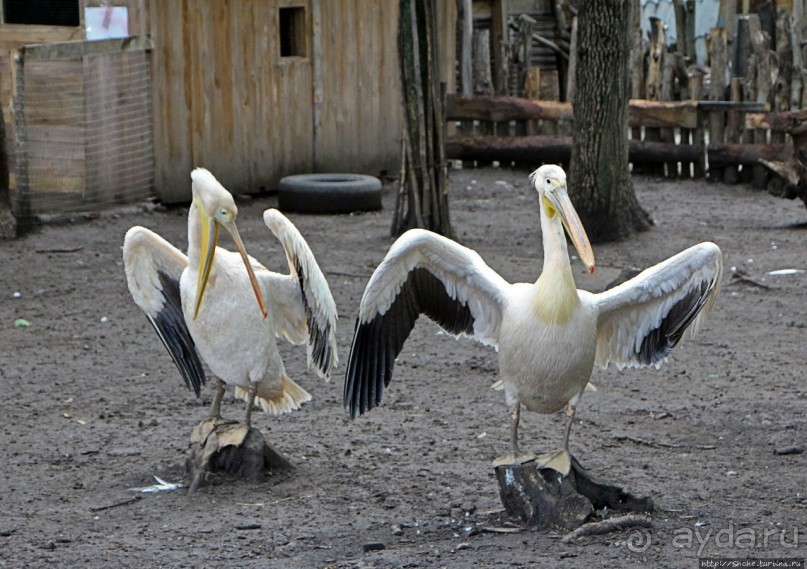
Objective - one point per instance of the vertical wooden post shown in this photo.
(681, 29)
(742, 47)
(572, 63)
(549, 91)
(734, 124)
(668, 134)
(21, 205)
(466, 38)
(524, 53)
(637, 54)
(655, 64)
(796, 81)
(483, 81)
(690, 24)
(781, 87)
(316, 79)
(760, 45)
(719, 59)
(500, 43)
(8, 225)
(564, 127)
(465, 13)
(749, 87)
(532, 90)
(726, 20)
(698, 136)
(655, 81)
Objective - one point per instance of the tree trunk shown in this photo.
(423, 193)
(600, 183)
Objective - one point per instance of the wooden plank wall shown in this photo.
(361, 116)
(226, 100)
(361, 102)
(223, 97)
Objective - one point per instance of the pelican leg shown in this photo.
(516, 418)
(515, 456)
(571, 408)
(253, 390)
(561, 460)
(215, 408)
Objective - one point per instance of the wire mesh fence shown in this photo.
(83, 133)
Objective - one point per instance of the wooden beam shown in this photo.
(791, 122)
(721, 155)
(557, 149)
(77, 49)
(498, 109)
(682, 114)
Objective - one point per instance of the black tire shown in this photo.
(329, 193)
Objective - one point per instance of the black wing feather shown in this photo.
(321, 353)
(659, 342)
(173, 331)
(378, 342)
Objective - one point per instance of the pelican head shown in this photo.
(550, 182)
(216, 208)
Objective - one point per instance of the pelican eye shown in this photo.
(224, 215)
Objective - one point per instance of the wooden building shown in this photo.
(254, 90)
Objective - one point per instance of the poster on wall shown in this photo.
(106, 22)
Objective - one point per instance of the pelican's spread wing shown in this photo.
(153, 269)
(642, 320)
(302, 301)
(423, 273)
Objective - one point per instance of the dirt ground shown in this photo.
(93, 407)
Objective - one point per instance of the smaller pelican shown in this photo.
(548, 333)
(205, 304)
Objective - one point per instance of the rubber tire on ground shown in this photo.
(329, 193)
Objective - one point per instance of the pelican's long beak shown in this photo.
(210, 235)
(559, 198)
(230, 226)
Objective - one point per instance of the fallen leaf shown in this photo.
(161, 486)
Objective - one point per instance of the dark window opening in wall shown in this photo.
(41, 12)
(292, 32)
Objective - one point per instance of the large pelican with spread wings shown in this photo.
(204, 304)
(548, 333)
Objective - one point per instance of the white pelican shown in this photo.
(204, 304)
(548, 333)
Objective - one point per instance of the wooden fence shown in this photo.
(737, 119)
(685, 154)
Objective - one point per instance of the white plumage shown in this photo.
(548, 334)
(205, 304)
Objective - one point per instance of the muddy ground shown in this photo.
(92, 406)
